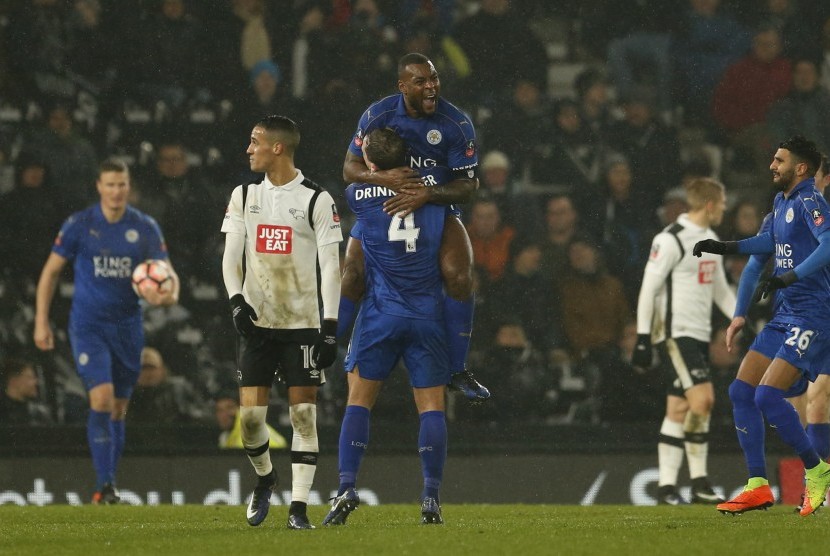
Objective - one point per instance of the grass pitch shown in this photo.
(396, 529)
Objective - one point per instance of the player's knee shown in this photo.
(741, 393)
(304, 419)
(702, 406)
(251, 420)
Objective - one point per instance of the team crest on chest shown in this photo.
(790, 215)
(434, 136)
(131, 235)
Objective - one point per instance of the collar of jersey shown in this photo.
(287, 186)
(401, 111)
(804, 184)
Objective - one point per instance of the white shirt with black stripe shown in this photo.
(678, 288)
(281, 248)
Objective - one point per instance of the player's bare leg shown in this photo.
(456, 257)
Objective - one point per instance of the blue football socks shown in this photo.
(354, 439)
(819, 434)
(458, 319)
(432, 446)
(749, 424)
(783, 416)
(99, 436)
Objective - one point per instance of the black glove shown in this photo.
(325, 348)
(243, 315)
(715, 246)
(772, 283)
(642, 356)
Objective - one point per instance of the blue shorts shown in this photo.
(800, 342)
(379, 341)
(108, 352)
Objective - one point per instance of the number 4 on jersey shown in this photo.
(403, 229)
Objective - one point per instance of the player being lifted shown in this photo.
(439, 137)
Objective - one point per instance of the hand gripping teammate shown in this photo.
(400, 318)
(439, 137)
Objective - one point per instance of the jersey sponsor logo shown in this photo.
(783, 252)
(112, 267)
(705, 271)
(790, 215)
(818, 218)
(131, 235)
(434, 136)
(419, 162)
(297, 213)
(254, 209)
(471, 149)
(274, 239)
(334, 215)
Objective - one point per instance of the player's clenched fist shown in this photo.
(715, 246)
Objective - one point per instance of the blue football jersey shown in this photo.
(104, 255)
(798, 220)
(443, 143)
(401, 254)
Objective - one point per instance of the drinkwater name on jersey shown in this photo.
(783, 252)
(112, 267)
(372, 192)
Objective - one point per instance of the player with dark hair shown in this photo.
(276, 233)
(400, 317)
(675, 310)
(105, 242)
(795, 343)
(441, 138)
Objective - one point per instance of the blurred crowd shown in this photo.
(590, 117)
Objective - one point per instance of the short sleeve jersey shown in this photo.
(401, 254)
(104, 255)
(444, 141)
(281, 241)
(798, 220)
(683, 306)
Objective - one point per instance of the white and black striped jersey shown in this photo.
(678, 288)
(282, 234)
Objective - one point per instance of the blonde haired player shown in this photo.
(674, 314)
